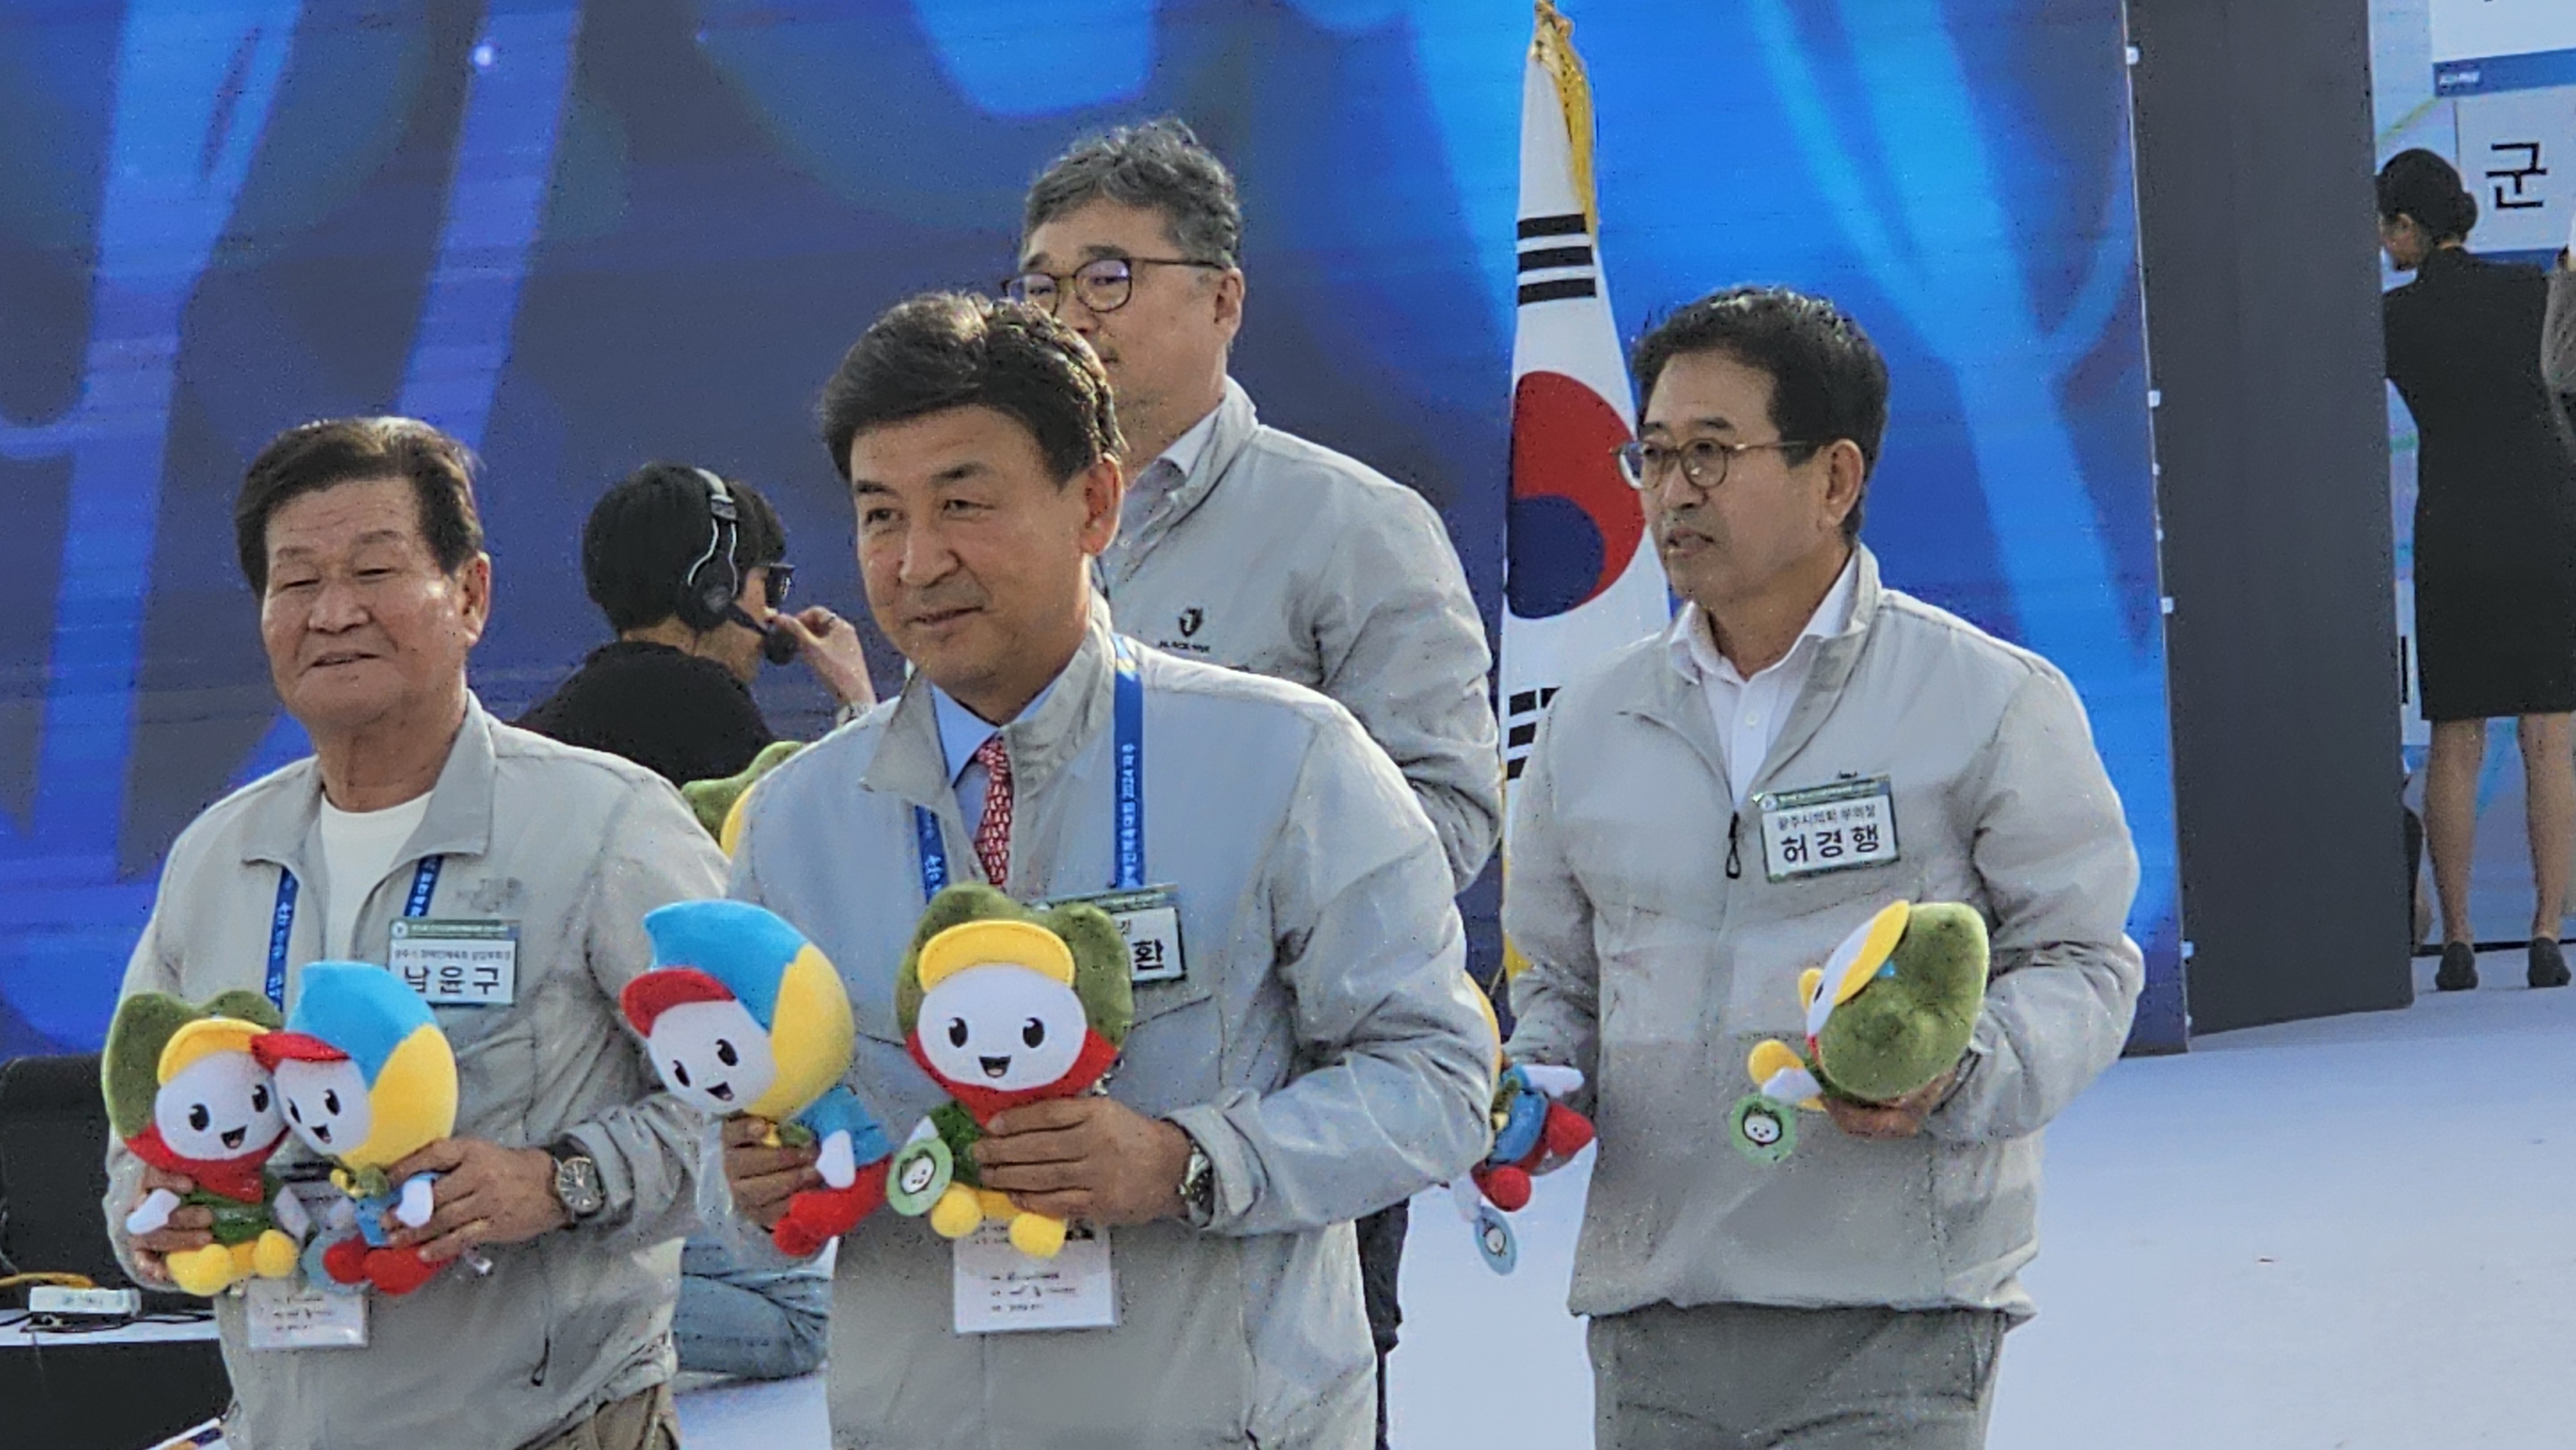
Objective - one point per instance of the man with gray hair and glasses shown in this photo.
(1247, 546)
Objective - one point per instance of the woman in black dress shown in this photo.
(2495, 543)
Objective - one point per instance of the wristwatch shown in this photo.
(1198, 1186)
(576, 1179)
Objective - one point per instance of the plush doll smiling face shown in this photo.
(1002, 1026)
(1003, 1005)
(220, 1106)
(328, 1104)
(713, 1055)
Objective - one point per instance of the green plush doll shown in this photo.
(714, 800)
(1886, 1017)
(1002, 1006)
(186, 1095)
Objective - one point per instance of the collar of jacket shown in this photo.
(910, 765)
(1236, 422)
(1681, 706)
(458, 822)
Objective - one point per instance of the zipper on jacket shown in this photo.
(1734, 855)
(546, 1297)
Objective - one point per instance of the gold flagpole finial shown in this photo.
(1552, 46)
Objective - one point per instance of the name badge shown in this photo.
(1150, 919)
(1834, 827)
(457, 963)
(1000, 1290)
(287, 1314)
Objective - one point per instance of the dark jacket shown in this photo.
(2496, 486)
(680, 716)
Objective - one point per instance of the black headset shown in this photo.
(709, 591)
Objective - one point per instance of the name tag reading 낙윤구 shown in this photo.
(457, 963)
(1834, 827)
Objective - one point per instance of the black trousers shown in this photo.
(1381, 1236)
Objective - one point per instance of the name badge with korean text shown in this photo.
(290, 1314)
(457, 963)
(1000, 1290)
(1150, 918)
(1836, 827)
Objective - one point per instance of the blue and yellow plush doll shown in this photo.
(745, 1017)
(368, 1080)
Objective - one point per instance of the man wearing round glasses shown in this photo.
(1247, 546)
(1710, 811)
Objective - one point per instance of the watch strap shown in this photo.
(1198, 1186)
(575, 1168)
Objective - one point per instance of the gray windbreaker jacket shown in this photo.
(575, 847)
(1285, 558)
(1660, 954)
(1325, 1048)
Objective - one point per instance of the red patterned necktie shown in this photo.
(993, 835)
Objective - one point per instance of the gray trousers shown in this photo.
(1747, 1377)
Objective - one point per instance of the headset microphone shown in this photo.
(776, 645)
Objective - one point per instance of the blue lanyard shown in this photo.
(1128, 827)
(281, 922)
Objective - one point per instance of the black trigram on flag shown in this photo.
(1520, 727)
(1556, 260)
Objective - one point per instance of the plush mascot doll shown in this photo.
(744, 1016)
(368, 1080)
(1886, 1016)
(1534, 1133)
(187, 1096)
(1003, 1006)
(713, 801)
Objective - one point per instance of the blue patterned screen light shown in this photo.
(583, 237)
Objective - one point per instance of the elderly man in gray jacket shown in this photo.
(1306, 1043)
(421, 824)
(1856, 1294)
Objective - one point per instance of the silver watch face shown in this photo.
(577, 1184)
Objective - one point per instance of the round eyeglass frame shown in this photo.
(1100, 275)
(1632, 460)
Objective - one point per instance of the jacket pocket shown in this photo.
(1175, 1050)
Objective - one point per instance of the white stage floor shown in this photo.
(2349, 1235)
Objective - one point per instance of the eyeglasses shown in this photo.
(1702, 460)
(774, 583)
(1102, 285)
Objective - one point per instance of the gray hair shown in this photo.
(1159, 165)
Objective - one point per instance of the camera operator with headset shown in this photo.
(691, 571)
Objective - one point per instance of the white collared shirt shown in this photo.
(1750, 713)
(1153, 487)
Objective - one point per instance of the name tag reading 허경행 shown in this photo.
(1834, 827)
(457, 963)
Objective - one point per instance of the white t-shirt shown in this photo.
(358, 848)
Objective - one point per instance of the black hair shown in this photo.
(1160, 166)
(1828, 381)
(315, 456)
(647, 531)
(2421, 185)
(946, 350)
